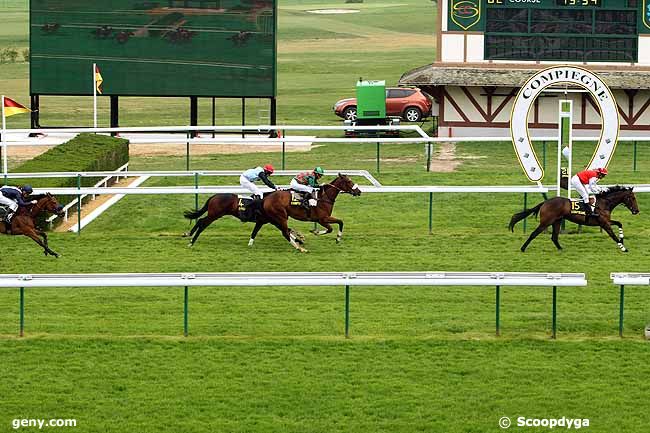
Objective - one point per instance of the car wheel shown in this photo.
(412, 114)
(350, 113)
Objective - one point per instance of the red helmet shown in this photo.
(602, 171)
(269, 168)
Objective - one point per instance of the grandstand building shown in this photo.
(487, 49)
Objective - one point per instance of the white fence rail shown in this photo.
(627, 279)
(240, 190)
(186, 173)
(304, 279)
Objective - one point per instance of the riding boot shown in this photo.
(305, 200)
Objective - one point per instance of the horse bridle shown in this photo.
(335, 187)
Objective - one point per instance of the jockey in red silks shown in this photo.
(585, 182)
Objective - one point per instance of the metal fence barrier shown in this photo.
(269, 279)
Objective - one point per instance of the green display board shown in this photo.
(223, 48)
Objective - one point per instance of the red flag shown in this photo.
(98, 80)
(12, 107)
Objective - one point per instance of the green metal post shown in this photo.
(79, 205)
(544, 155)
(430, 212)
(634, 159)
(525, 204)
(185, 313)
(196, 185)
(429, 156)
(347, 311)
(554, 311)
(22, 311)
(498, 307)
(620, 313)
(377, 157)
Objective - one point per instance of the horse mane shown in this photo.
(37, 196)
(613, 190)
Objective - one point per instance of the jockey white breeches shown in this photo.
(245, 183)
(9, 203)
(300, 187)
(580, 188)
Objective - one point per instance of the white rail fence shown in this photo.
(627, 279)
(300, 279)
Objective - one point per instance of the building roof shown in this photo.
(515, 75)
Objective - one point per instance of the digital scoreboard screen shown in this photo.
(224, 48)
(562, 30)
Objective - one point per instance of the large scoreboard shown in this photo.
(554, 30)
(223, 48)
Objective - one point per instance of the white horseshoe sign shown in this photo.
(563, 75)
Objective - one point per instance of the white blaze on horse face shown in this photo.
(355, 186)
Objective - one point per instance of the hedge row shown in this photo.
(85, 152)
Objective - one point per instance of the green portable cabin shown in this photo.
(371, 99)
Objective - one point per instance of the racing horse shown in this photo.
(276, 209)
(554, 210)
(23, 222)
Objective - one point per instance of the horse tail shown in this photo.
(194, 214)
(523, 214)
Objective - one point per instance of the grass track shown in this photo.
(267, 360)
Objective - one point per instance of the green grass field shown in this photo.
(275, 359)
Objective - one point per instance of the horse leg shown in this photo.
(258, 226)
(620, 229)
(43, 235)
(32, 234)
(325, 222)
(556, 233)
(540, 228)
(611, 234)
(281, 224)
(201, 225)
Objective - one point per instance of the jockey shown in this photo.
(12, 197)
(585, 182)
(307, 182)
(254, 174)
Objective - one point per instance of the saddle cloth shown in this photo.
(575, 207)
(296, 198)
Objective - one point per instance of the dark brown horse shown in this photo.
(23, 221)
(276, 210)
(554, 210)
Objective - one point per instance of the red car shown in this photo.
(412, 105)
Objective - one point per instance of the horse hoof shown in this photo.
(190, 245)
(186, 235)
(338, 241)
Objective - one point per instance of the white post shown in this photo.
(565, 139)
(94, 95)
(4, 137)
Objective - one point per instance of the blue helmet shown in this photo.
(27, 188)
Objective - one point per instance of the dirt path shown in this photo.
(90, 206)
(445, 159)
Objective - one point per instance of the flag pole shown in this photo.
(3, 138)
(94, 95)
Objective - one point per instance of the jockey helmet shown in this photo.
(319, 170)
(602, 171)
(27, 189)
(269, 168)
